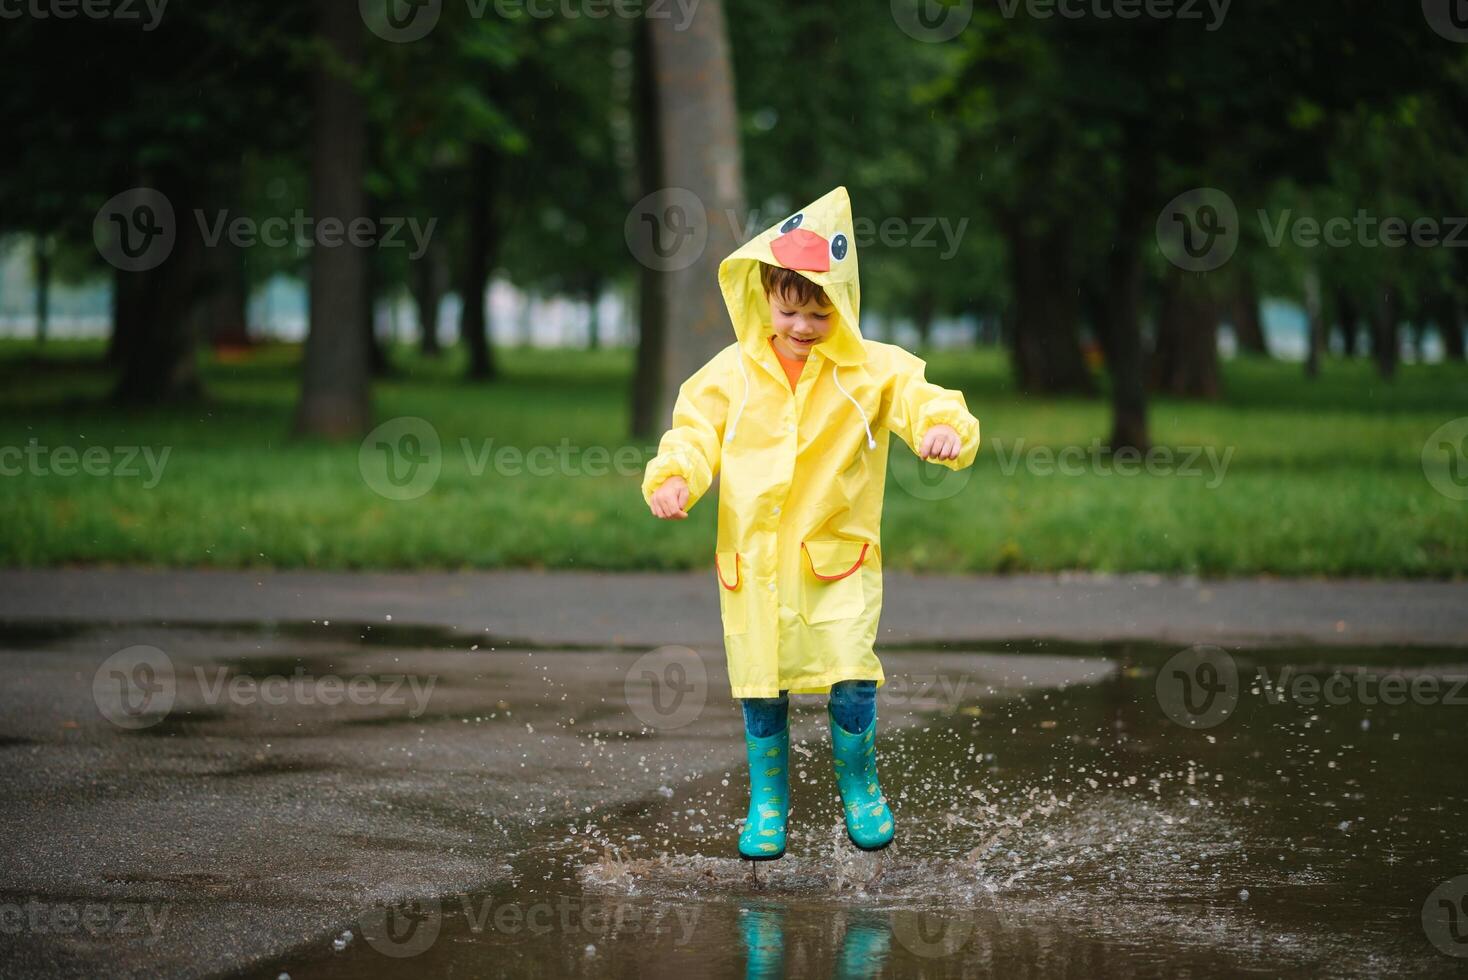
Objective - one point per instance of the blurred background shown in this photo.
(411, 283)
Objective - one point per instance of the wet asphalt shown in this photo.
(204, 771)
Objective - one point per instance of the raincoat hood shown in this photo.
(817, 241)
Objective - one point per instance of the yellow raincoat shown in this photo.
(799, 555)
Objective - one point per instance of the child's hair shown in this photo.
(779, 281)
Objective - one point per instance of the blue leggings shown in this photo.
(853, 704)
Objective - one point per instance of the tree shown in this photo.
(335, 398)
(698, 150)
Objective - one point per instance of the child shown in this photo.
(791, 414)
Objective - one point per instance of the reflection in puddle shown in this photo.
(1068, 829)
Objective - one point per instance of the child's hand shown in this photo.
(940, 442)
(669, 500)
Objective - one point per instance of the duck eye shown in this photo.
(838, 247)
(792, 223)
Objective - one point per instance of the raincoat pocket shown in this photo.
(733, 596)
(830, 589)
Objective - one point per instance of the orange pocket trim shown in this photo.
(720, 572)
(832, 578)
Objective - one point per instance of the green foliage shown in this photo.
(1323, 479)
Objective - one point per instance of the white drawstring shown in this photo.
(836, 374)
(733, 426)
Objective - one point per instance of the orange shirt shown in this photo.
(792, 365)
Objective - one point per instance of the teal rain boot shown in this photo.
(763, 836)
(854, 758)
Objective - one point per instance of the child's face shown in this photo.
(799, 326)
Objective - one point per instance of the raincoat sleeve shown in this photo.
(691, 448)
(918, 405)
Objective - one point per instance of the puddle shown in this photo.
(1043, 829)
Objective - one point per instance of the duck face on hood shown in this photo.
(816, 241)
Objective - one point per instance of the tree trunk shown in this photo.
(42, 246)
(155, 310)
(222, 312)
(646, 384)
(479, 257)
(1187, 338)
(1046, 337)
(1449, 315)
(1244, 312)
(1315, 325)
(1349, 318)
(428, 286)
(923, 312)
(336, 392)
(377, 358)
(1384, 343)
(1116, 311)
(699, 151)
(593, 315)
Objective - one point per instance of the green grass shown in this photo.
(1326, 478)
